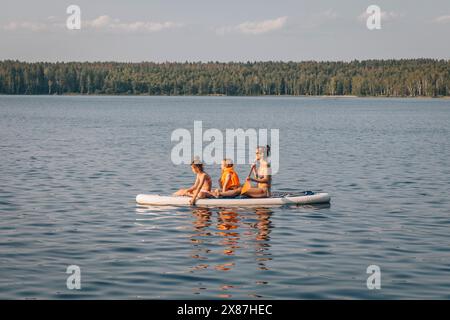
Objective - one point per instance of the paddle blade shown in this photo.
(245, 187)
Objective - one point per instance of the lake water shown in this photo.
(71, 167)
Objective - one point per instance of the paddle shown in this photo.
(247, 184)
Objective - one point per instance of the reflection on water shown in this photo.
(230, 233)
(221, 245)
(221, 240)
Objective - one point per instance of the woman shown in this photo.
(229, 183)
(262, 175)
(202, 185)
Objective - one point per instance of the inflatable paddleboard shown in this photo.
(307, 198)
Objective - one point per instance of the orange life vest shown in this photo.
(234, 179)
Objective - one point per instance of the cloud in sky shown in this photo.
(385, 16)
(255, 27)
(442, 19)
(103, 22)
(25, 25)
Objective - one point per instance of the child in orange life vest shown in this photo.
(229, 184)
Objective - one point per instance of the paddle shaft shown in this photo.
(247, 185)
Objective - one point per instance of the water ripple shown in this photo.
(71, 167)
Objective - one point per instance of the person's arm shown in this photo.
(227, 179)
(254, 171)
(265, 176)
(263, 179)
(197, 190)
(194, 186)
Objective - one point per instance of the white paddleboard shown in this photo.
(157, 200)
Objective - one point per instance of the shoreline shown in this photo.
(226, 96)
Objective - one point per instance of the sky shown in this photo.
(232, 30)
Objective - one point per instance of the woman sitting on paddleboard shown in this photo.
(229, 185)
(262, 175)
(202, 186)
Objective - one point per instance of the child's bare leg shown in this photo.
(180, 192)
(212, 194)
(231, 193)
(204, 194)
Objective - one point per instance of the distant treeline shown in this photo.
(395, 78)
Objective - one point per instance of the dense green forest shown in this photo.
(413, 77)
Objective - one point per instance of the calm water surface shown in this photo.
(71, 167)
